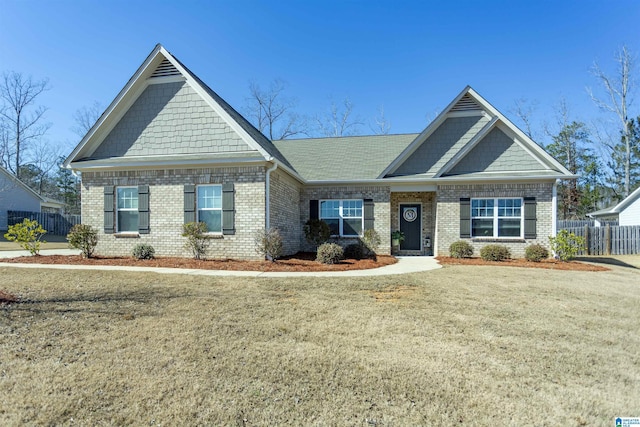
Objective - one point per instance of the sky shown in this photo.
(411, 57)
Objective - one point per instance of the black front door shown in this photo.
(410, 225)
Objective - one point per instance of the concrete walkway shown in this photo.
(412, 264)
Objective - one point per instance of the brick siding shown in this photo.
(448, 213)
(166, 206)
(428, 213)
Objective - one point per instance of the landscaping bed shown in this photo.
(300, 262)
(549, 263)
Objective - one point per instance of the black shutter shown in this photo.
(228, 209)
(314, 212)
(368, 214)
(143, 209)
(109, 218)
(529, 217)
(189, 203)
(465, 217)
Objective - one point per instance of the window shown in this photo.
(209, 207)
(496, 218)
(343, 216)
(127, 207)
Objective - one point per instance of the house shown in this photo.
(627, 212)
(18, 196)
(170, 150)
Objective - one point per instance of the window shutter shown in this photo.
(313, 209)
(143, 209)
(529, 217)
(109, 218)
(465, 217)
(368, 214)
(228, 209)
(189, 203)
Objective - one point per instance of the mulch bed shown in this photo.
(299, 262)
(550, 263)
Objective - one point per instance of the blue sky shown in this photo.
(411, 57)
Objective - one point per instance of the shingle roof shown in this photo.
(343, 158)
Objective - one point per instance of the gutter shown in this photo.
(267, 195)
(554, 209)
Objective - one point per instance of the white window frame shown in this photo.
(341, 216)
(198, 209)
(496, 218)
(118, 209)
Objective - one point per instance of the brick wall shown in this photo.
(381, 200)
(285, 210)
(427, 199)
(448, 213)
(166, 205)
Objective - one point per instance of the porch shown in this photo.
(414, 214)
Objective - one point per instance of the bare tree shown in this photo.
(523, 109)
(86, 117)
(618, 98)
(272, 113)
(338, 121)
(45, 160)
(22, 121)
(382, 125)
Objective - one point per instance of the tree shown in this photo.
(523, 110)
(272, 113)
(570, 147)
(21, 120)
(382, 125)
(338, 121)
(618, 160)
(618, 91)
(86, 117)
(68, 188)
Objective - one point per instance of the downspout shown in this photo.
(267, 196)
(554, 209)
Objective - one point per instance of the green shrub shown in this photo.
(536, 253)
(495, 253)
(316, 232)
(269, 243)
(460, 249)
(197, 242)
(144, 251)
(28, 233)
(371, 241)
(83, 237)
(354, 251)
(329, 253)
(566, 245)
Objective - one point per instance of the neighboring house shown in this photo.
(18, 196)
(169, 150)
(627, 212)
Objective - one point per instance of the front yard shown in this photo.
(464, 345)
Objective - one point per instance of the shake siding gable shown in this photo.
(169, 119)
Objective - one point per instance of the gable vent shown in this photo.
(165, 69)
(466, 103)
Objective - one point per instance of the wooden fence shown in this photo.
(573, 223)
(54, 223)
(609, 240)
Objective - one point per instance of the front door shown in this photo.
(411, 226)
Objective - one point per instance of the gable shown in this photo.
(439, 147)
(496, 152)
(169, 118)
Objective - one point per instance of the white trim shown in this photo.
(198, 186)
(400, 222)
(117, 210)
(165, 79)
(554, 209)
(341, 216)
(496, 218)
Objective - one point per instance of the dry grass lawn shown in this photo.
(463, 345)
